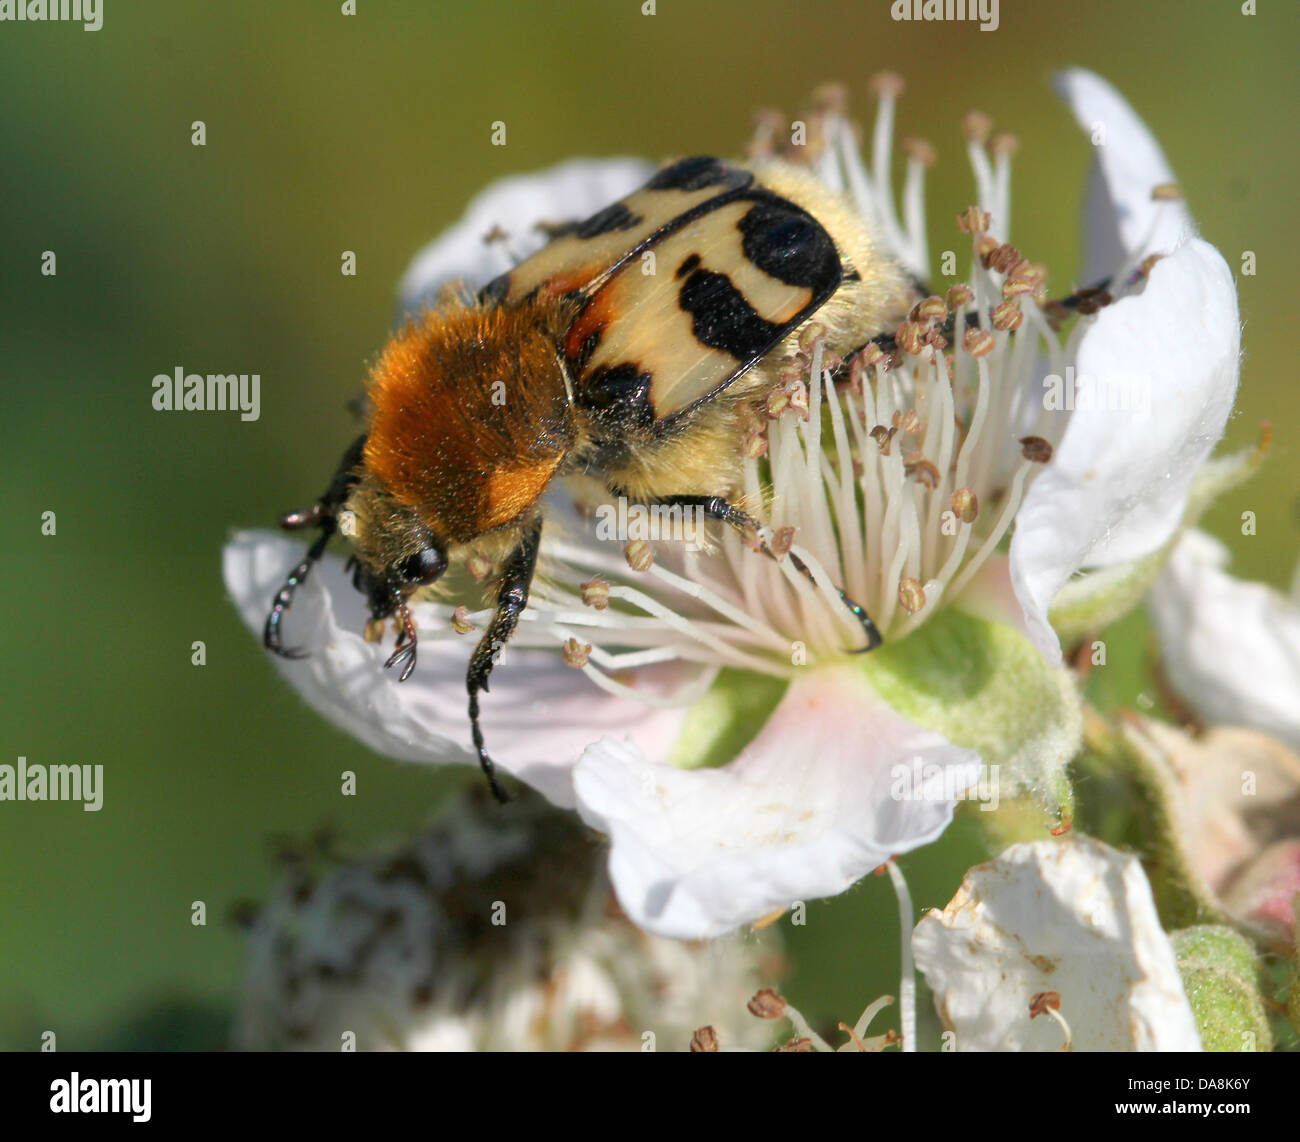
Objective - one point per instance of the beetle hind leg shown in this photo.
(722, 510)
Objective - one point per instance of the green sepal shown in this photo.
(1221, 977)
(983, 685)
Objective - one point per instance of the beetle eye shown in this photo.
(424, 566)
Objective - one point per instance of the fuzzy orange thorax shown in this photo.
(471, 416)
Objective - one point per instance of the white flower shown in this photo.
(1231, 649)
(1069, 925)
(1118, 483)
(734, 752)
(481, 934)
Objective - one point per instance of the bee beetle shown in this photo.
(629, 349)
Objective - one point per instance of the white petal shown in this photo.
(1121, 221)
(538, 718)
(1231, 648)
(568, 192)
(807, 809)
(1072, 916)
(1117, 485)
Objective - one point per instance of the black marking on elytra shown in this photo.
(496, 291)
(614, 217)
(790, 245)
(619, 394)
(722, 317)
(688, 265)
(698, 172)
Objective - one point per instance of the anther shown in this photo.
(978, 342)
(832, 98)
(911, 597)
(704, 1040)
(1146, 264)
(920, 151)
(976, 126)
(1035, 449)
(908, 423)
(595, 593)
(460, 620)
(1004, 258)
(1093, 300)
(799, 399)
(965, 505)
(883, 437)
(1004, 143)
(767, 1004)
(921, 469)
(576, 653)
(1006, 316)
(781, 542)
(973, 220)
(887, 83)
(639, 554)
(810, 334)
(936, 340)
(959, 296)
(910, 337)
(931, 309)
(800, 1044)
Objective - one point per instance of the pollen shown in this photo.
(576, 653)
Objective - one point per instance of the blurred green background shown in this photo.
(328, 132)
